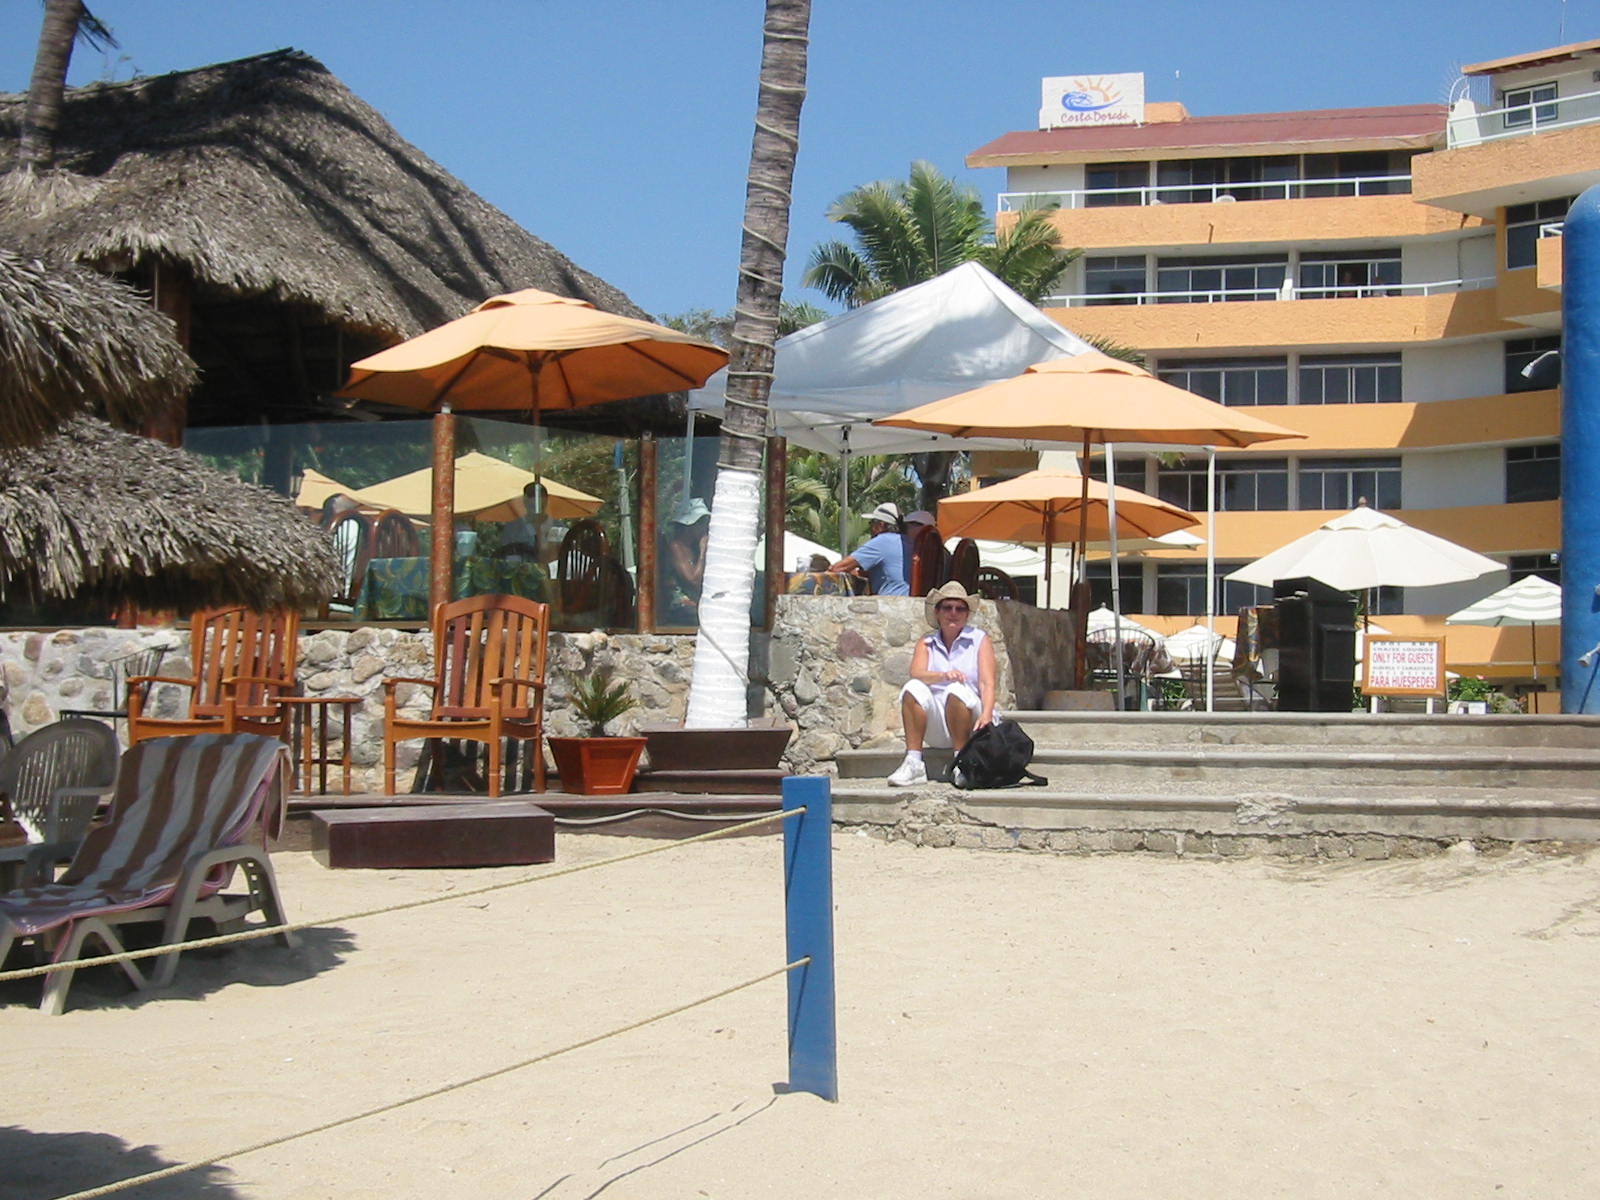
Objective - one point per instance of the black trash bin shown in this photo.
(1316, 646)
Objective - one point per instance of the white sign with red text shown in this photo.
(1403, 666)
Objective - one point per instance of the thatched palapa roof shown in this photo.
(94, 513)
(268, 176)
(75, 341)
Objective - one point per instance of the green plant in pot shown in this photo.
(597, 764)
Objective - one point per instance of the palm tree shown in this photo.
(65, 22)
(722, 648)
(909, 232)
(813, 499)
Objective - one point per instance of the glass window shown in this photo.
(1108, 184)
(1181, 589)
(1114, 278)
(1524, 352)
(1523, 224)
(1259, 485)
(1342, 483)
(1350, 379)
(1236, 382)
(1348, 275)
(1130, 583)
(1529, 107)
(1204, 280)
(1545, 566)
(1358, 173)
(1130, 470)
(1533, 473)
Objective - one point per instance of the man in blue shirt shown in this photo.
(882, 556)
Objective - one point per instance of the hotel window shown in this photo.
(1107, 184)
(1350, 379)
(1533, 473)
(1236, 382)
(1180, 589)
(1545, 566)
(1341, 483)
(1368, 173)
(1387, 601)
(1349, 275)
(1207, 180)
(1529, 107)
(1260, 485)
(1114, 278)
(1205, 280)
(1523, 222)
(1236, 595)
(1524, 352)
(1130, 583)
(1130, 469)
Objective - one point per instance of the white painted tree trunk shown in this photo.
(718, 684)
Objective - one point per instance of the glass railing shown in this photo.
(1286, 291)
(1473, 126)
(1207, 193)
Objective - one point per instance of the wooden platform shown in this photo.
(484, 833)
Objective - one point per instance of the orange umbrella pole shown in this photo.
(441, 570)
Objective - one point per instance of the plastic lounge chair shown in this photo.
(54, 779)
(489, 657)
(243, 662)
(180, 821)
(143, 662)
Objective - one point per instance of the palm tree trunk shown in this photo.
(722, 650)
(36, 148)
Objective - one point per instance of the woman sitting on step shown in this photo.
(952, 686)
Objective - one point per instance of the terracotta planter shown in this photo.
(591, 766)
(757, 748)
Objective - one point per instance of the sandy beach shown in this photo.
(1011, 1025)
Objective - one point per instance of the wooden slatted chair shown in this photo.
(995, 584)
(581, 566)
(353, 539)
(243, 663)
(489, 655)
(964, 565)
(929, 560)
(394, 535)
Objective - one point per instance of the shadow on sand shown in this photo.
(39, 1166)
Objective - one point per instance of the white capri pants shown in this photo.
(938, 734)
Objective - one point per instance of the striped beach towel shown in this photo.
(176, 797)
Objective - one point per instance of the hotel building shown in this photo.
(1383, 280)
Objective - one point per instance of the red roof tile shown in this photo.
(1410, 123)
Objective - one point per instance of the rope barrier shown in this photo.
(268, 1143)
(246, 935)
(653, 812)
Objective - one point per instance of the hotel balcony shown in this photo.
(1283, 212)
(1386, 314)
(1555, 151)
(1435, 425)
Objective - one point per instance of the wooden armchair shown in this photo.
(581, 567)
(352, 534)
(489, 656)
(243, 664)
(964, 565)
(926, 570)
(394, 535)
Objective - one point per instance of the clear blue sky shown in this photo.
(619, 130)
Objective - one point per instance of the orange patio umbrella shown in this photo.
(1046, 506)
(1089, 399)
(524, 352)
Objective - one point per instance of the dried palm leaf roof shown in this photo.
(268, 177)
(75, 341)
(96, 514)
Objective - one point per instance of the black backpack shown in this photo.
(997, 756)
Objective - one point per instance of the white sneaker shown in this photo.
(909, 774)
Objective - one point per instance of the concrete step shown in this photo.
(1224, 770)
(1105, 729)
(748, 781)
(1239, 823)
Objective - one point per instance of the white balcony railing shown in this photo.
(1552, 229)
(1208, 193)
(1469, 126)
(1285, 292)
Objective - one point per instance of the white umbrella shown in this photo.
(1198, 644)
(1363, 549)
(1530, 601)
(1104, 618)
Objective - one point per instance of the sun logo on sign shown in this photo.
(1090, 95)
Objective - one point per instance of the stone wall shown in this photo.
(833, 666)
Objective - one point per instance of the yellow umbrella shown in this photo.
(527, 351)
(486, 488)
(315, 488)
(1047, 506)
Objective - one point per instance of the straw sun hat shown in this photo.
(949, 591)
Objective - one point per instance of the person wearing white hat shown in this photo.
(951, 691)
(882, 557)
(686, 560)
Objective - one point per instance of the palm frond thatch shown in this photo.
(74, 341)
(268, 177)
(94, 513)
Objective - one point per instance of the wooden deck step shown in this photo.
(732, 781)
(495, 833)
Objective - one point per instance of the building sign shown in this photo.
(1403, 666)
(1074, 100)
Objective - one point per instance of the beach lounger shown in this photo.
(180, 823)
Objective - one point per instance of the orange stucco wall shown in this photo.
(1460, 179)
(1476, 421)
(1548, 270)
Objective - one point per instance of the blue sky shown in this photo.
(619, 130)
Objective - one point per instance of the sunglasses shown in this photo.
(952, 606)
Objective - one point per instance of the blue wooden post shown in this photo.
(1580, 454)
(808, 907)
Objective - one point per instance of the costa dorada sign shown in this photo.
(1092, 100)
(1403, 666)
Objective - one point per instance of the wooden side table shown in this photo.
(308, 738)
